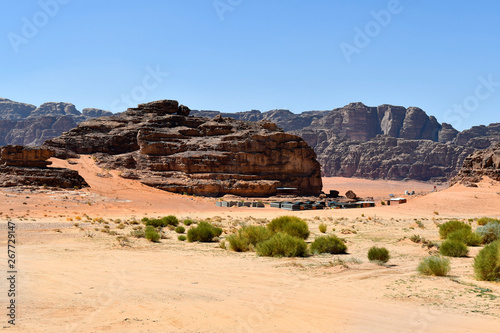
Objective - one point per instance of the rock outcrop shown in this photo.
(27, 166)
(388, 142)
(160, 145)
(27, 125)
(478, 164)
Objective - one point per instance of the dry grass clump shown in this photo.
(170, 220)
(487, 262)
(486, 220)
(467, 237)
(248, 237)
(453, 248)
(151, 234)
(204, 232)
(451, 226)
(282, 245)
(291, 225)
(489, 232)
(434, 265)
(322, 228)
(378, 254)
(328, 244)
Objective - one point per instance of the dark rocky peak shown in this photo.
(447, 133)
(470, 136)
(159, 108)
(11, 110)
(95, 113)
(55, 109)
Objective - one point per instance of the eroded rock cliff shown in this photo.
(160, 145)
(478, 164)
(27, 166)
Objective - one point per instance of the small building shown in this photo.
(366, 204)
(397, 201)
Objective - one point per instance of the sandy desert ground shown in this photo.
(74, 278)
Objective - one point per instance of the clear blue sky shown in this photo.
(256, 54)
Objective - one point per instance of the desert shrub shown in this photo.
(453, 248)
(163, 222)
(434, 265)
(180, 229)
(489, 232)
(248, 237)
(151, 234)
(171, 220)
(282, 245)
(182, 238)
(380, 254)
(204, 232)
(188, 222)
(451, 226)
(322, 227)
(139, 233)
(328, 244)
(487, 262)
(291, 225)
(416, 238)
(466, 236)
(486, 220)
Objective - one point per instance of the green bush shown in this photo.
(328, 244)
(489, 232)
(466, 236)
(434, 265)
(380, 254)
(451, 226)
(453, 248)
(486, 220)
(188, 222)
(151, 234)
(204, 232)
(487, 262)
(291, 225)
(163, 222)
(182, 238)
(248, 237)
(180, 229)
(282, 245)
(322, 228)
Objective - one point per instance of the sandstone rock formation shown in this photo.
(28, 166)
(388, 142)
(27, 125)
(478, 164)
(160, 145)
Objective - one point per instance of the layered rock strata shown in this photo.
(159, 144)
(28, 166)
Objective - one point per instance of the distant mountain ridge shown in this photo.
(384, 142)
(28, 125)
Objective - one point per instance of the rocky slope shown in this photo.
(160, 145)
(28, 166)
(478, 164)
(389, 142)
(25, 124)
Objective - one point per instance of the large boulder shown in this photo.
(160, 145)
(27, 166)
(478, 164)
